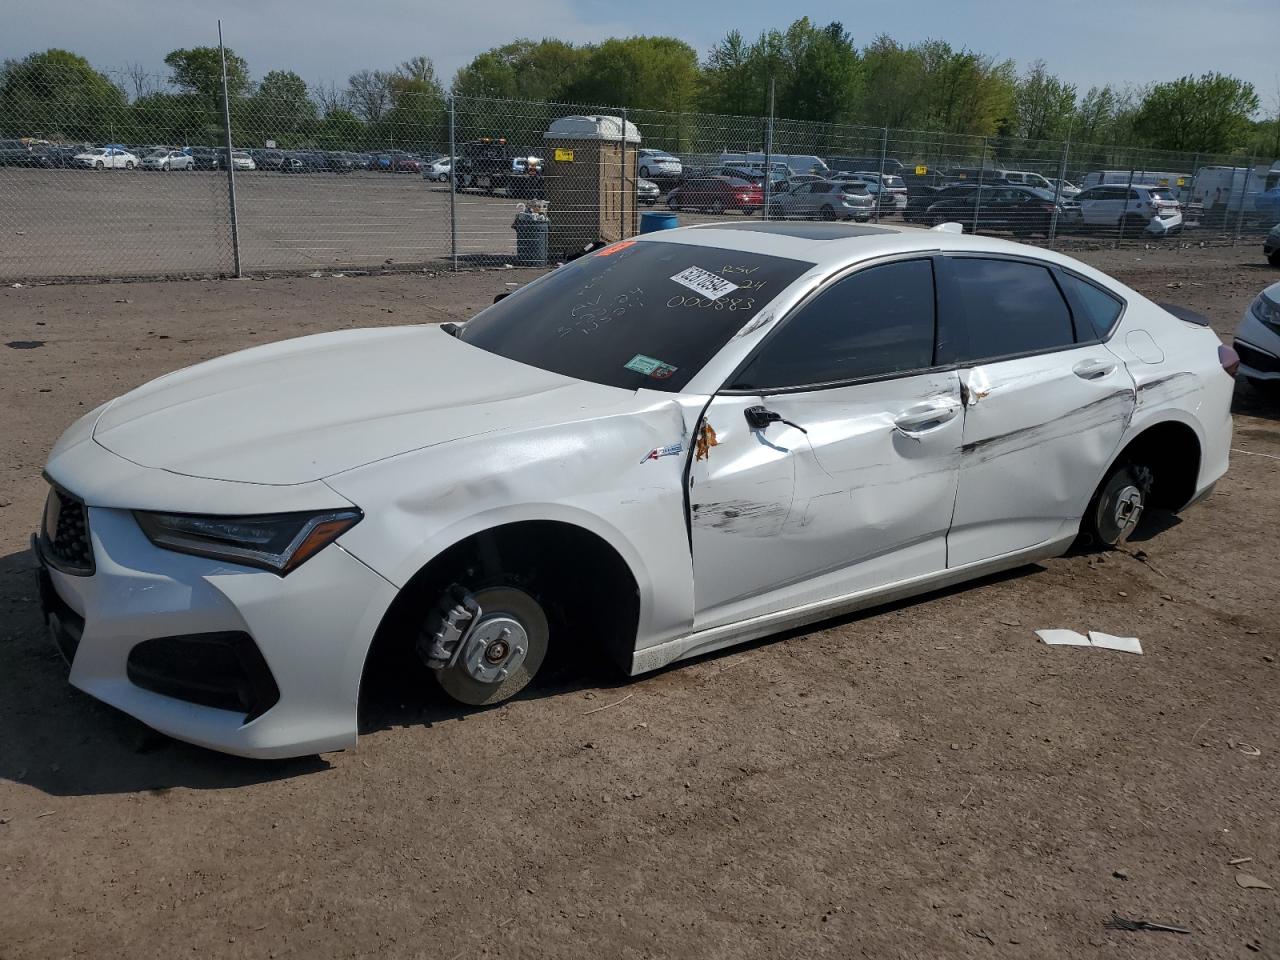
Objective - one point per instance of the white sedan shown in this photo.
(100, 158)
(677, 443)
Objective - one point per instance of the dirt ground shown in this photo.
(922, 780)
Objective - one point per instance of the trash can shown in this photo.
(658, 220)
(531, 239)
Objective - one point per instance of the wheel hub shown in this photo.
(1128, 508)
(496, 645)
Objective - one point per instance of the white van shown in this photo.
(797, 163)
(1220, 191)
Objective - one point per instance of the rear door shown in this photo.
(1045, 404)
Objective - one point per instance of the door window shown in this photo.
(1100, 309)
(876, 322)
(1010, 307)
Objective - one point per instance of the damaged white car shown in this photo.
(674, 444)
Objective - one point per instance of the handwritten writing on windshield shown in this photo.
(590, 314)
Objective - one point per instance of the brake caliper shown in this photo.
(447, 627)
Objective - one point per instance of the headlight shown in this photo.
(1268, 311)
(279, 542)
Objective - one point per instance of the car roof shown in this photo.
(831, 246)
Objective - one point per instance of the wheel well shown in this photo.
(1171, 450)
(586, 588)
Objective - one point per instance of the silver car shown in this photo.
(167, 160)
(822, 200)
(1257, 340)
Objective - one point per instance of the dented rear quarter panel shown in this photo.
(593, 472)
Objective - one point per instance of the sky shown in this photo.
(1086, 42)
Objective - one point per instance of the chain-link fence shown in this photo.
(99, 182)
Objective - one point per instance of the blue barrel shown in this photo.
(657, 220)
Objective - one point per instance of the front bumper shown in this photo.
(312, 630)
(1259, 348)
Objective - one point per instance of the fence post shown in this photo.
(453, 184)
(982, 174)
(1244, 192)
(231, 167)
(884, 148)
(1057, 191)
(1124, 211)
(768, 153)
(622, 188)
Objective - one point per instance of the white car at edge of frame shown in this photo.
(677, 443)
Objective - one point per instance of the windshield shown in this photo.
(635, 314)
(1161, 195)
(893, 183)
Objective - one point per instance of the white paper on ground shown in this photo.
(1123, 644)
(1068, 637)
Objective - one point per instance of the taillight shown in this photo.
(1229, 359)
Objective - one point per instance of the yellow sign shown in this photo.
(563, 155)
(1182, 181)
(921, 169)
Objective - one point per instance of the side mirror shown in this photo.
(760, 417)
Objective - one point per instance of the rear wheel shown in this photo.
(501, 652)
(1117, 507)
(1133, 225)
(717, 208)
(827, 213)
(99, 165)
(1274, 259)
(128, 164)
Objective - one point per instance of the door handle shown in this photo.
(925, 416)
(1094, 369)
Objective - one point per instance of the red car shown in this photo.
(717, 194)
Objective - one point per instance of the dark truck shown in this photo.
(491, 164)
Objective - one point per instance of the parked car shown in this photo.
(1027, 178)
(892, 167)
(794, 162)
(1257, 340)
(975, 174)
(59, 155)
(780, 430)
(918, 203)
(438, 170)
(1137, 210)
(270, 159)
(1175, 183)
(647, 191)
(20, 153)
(1067, 188)
(207, 158)
(717, 195)
(892, 198)
(823, 200)
(303, 161)
(99, 158)
(167, 160)
(658, 165)
(1271, 246)
(1020, 210)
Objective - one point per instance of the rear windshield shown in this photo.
(635, 314)
(892, 183)
(1161, 195)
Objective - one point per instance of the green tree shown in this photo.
(893, 85)
(965, 92)
(1044, 106)
(198, 71)
(340, 130)
(280, 109)
(657, 73)
(1212, 113)
(522, 70)
(57, 94)
(824, 73)
(417, 116)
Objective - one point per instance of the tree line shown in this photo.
(817, 73)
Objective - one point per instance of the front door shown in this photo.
(836, 453)
(1045, 407)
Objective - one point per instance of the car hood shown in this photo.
(299, 410)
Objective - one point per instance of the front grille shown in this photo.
(64, 534)
(1256, 359)
(223, 670)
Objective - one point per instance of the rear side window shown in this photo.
(1100, 309)
(1009, 307)
(875, 323)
